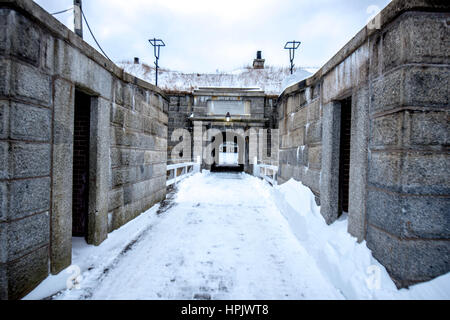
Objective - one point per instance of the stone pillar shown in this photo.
(99, 164)
(198, 140)
(329, 179)
(61, 221)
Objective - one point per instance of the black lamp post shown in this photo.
(157, 44)
(292, 46)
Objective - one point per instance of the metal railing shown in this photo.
(265, 171)
(187, 169)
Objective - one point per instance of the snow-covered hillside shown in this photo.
(272, 80)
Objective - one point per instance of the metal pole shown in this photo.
(292, 46)
(78, 23)
(157, 44)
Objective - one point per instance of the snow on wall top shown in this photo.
(272, 80)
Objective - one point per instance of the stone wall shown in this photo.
(180, 108)
(42, 66)
(397, 77)
(184, 104)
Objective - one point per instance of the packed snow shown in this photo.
(230, 236)
(270, 79)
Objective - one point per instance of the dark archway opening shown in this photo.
(81, 139)
(344, 155)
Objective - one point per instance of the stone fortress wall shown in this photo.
(44, 69)
(388, 91)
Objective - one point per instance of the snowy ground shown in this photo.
(231, 236)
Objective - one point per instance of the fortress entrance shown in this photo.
(230, 157)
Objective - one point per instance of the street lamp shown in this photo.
(228, 117)
(292, 46)
(157, 44)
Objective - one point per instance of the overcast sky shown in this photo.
(210, 35)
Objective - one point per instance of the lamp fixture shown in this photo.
(228, 117)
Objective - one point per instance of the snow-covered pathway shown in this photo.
(222, 237)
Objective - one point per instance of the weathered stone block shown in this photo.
(387, 130)
(77, 67)
(158, 129)
(386, 92)
(163, 118)
(392, 53)
(385, 170)
(30, 160)
(409, 261)
(144, 172)
(115, 199)
(376, 58)
(426, 173)
(4, 118)
(314, 111)
(31, 83)
(298, 119)
(4, 21)
(311, 179)
(26, 273)
(37, 231)
(118, 114)
(427, 86)
(4, 160)
(3, 201)
(28, 196)
(30, 123)
(133, 120)
(313, 132)
(159, 170)
(148, 142)
(5, 77)
(25, 39)
(407, 216)
(430, 128)
(315, 157)
(425, 37)
(123, 176)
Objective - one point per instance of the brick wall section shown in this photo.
(397, 77)
(42, 63)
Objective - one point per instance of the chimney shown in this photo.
(136, 60)
(258, 63)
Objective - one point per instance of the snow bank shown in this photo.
(92, 260)
(348, 265)
(294, 78)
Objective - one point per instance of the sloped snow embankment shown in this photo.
(349, 265)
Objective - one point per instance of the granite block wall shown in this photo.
(397, 78)
(42, 67)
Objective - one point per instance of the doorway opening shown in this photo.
(81, 142)
(229, 156)
(344, 155)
